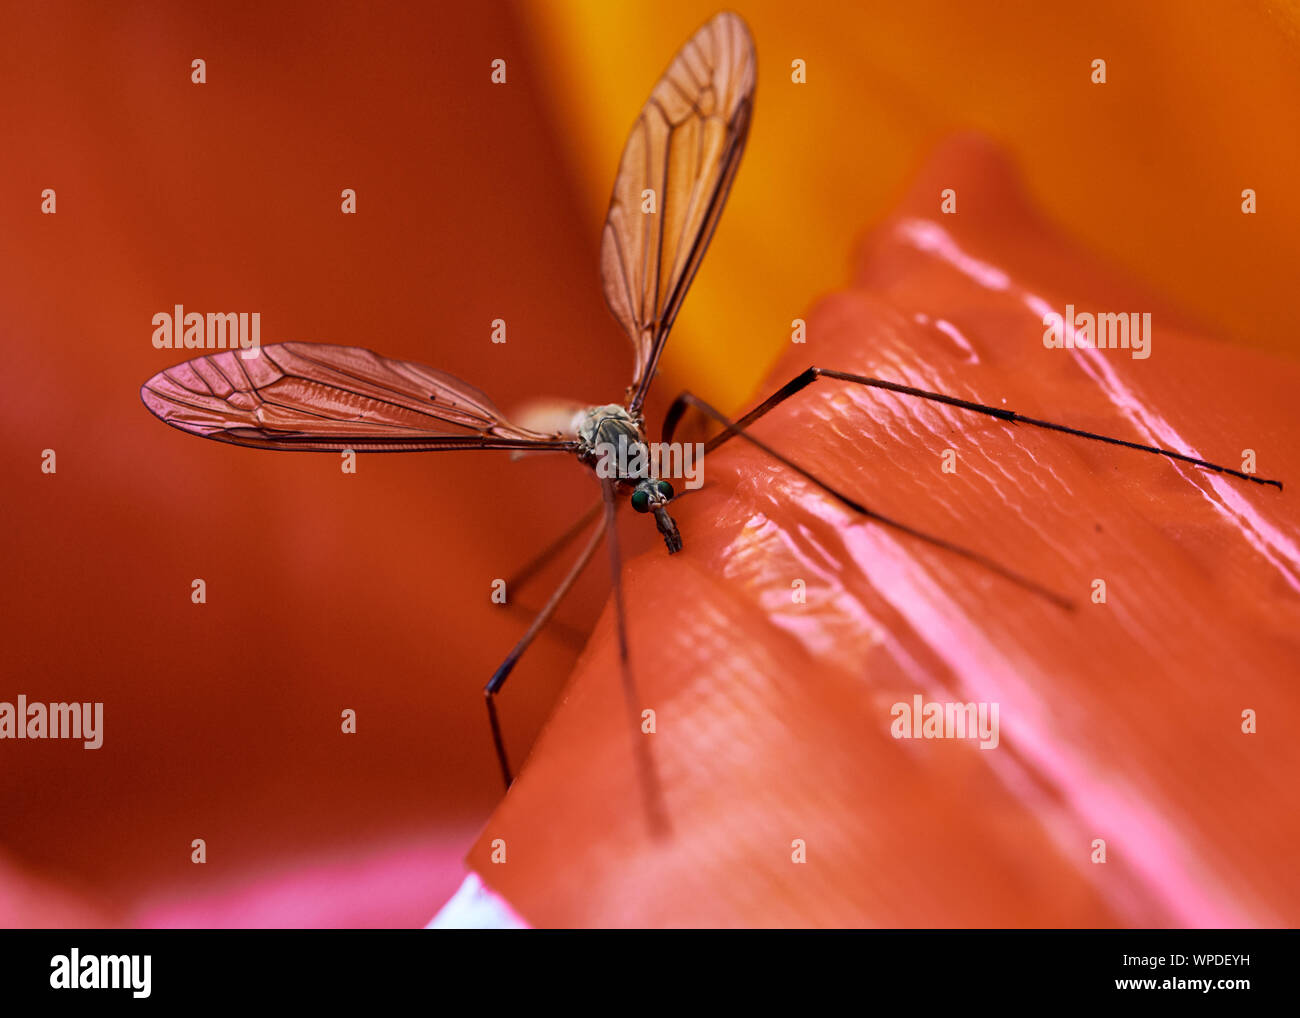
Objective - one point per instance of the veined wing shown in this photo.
(323, 398)
(685, 147)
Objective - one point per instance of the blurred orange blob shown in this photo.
(1147, 169)
(1140, 770)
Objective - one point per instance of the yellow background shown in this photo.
(1147, 170)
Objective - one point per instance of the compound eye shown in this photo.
(641, 500)
(665, 489)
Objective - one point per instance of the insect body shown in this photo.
(685, 148)
(613, 442)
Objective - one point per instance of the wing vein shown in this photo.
(708, 87)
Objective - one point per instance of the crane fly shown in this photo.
(684, 148)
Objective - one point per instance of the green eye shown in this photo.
(641, 500)
(665, 489)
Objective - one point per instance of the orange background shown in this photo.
(1120, 723)
(1146, 170)
(475, 202)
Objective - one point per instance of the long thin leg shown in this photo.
(503, 672)
(573, 637)
(544, 557)
(540, 561)
(645, 763)
(735, 428)
(812, 374)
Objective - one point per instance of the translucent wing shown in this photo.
(685, 147)
(322, 398)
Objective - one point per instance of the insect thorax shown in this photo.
(611, 428)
